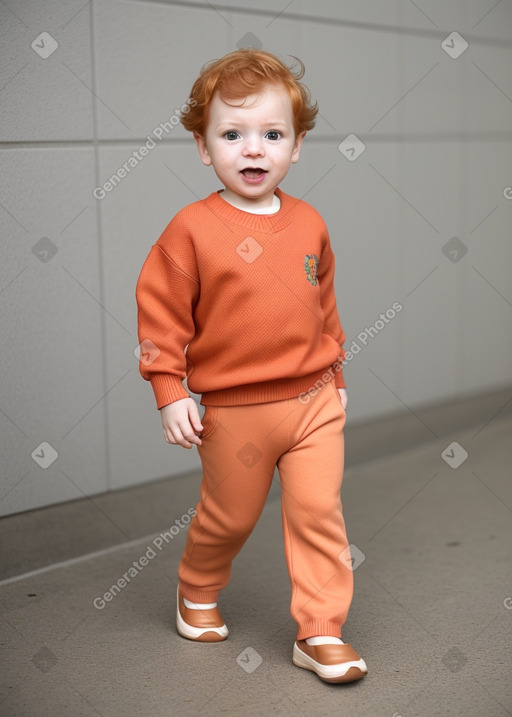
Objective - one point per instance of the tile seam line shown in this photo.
(100, 249)
(317, 19)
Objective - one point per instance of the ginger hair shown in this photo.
(244, 72)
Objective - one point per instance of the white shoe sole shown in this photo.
(192, 633)
(329, 672)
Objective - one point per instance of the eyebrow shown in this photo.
(272, 123)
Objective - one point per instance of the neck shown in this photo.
(247, 204)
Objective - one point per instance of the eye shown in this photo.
(231, 134)
(273, 134)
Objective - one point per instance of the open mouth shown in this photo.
(253, 172)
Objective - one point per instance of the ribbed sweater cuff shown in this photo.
(318, 627)
(167, 388)
(196, 595)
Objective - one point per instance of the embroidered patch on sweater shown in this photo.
(311, 267)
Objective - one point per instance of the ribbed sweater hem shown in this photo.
(169, 388)
(304, 387)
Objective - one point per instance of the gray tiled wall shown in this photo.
(437, 165)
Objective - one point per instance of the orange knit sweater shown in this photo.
(240, 304)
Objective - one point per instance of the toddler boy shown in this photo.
(237, 296)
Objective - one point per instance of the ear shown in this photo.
(296, 148)
(202, 149)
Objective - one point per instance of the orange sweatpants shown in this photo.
(241, 446)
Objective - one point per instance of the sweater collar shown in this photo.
(258, 222)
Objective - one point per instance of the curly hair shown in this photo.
(241, 73)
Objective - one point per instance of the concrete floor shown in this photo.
(432, 611)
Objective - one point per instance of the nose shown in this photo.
(253, 146)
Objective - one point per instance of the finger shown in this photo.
(193, 439)
(194, 419)
(184, 436)
(174, 436)
(169, 437)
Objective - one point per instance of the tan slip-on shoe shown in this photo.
(199, 625)
(332, 663)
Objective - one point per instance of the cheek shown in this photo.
(286, 150)
(225, 155)
(283, 158)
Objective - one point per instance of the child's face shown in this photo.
(252, 146)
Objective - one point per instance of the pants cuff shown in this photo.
(318, 627)
(199, 596)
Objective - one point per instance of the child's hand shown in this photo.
(181, 423)
(344, 397)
